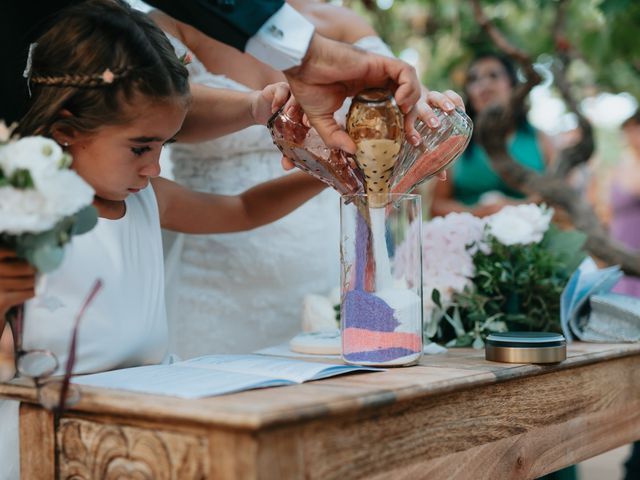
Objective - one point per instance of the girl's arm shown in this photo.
(186, 211)
(215, 112)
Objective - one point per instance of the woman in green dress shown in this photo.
(472, 184)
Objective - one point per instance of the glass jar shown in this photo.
(381, 280)
(439, 148)
(304, 147)
(376, 126)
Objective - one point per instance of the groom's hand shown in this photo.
(332, 71)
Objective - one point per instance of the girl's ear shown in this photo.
(62, 131)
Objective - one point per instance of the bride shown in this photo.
(239, 292)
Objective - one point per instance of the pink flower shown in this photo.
(448, 246)
(108, 76)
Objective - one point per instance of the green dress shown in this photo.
(473, 175)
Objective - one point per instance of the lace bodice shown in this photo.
(243, 291)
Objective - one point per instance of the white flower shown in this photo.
(64, 191)
(522, 224)
(57, 194)
(30, 153)
(24, 211)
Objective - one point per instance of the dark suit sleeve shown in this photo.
(232, 22)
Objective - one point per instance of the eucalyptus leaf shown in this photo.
(435, 296)
(47, 258)
(85, 220)
(478, 343)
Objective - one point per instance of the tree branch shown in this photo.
(494, 124)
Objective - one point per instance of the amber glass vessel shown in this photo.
(375, 124)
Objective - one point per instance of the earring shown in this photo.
(65, 144)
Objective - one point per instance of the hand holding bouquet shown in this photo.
(42, 205)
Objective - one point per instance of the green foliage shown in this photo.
(446, 35)
(21, 179)
(515, 288)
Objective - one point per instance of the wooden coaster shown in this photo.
(323, 342)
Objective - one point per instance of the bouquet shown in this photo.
(504, 272)
(42, 202)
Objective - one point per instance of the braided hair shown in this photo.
(93, 61)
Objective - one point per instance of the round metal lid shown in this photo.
(526, 339)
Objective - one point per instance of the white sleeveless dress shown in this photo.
(235, 293)
(124, 326)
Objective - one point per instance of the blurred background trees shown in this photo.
(440, 36)
(589, 46)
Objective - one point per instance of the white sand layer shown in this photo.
(407, 307)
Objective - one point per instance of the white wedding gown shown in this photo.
(234, 293)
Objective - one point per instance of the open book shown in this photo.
(586, 281)
(215, 375)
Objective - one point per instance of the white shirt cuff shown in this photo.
(283, 40)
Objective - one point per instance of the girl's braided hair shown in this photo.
(96, 58)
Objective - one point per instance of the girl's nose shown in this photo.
(151, 169)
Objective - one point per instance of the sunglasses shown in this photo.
(54, 394)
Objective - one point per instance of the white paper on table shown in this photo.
(283, 350)
(215, 375)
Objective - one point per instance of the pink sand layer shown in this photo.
(362, 340)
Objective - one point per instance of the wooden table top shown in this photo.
(456, 370)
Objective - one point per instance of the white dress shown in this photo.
(124, 326)
(235, 293)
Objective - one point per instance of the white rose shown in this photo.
(510, 230)
(522, 224)
(30, 153)
(64, 191)
(538, 216)
(24, 211)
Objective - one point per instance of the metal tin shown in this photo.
(526, 347)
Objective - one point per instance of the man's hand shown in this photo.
(333, 71)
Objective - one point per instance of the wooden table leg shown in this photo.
(37, 443)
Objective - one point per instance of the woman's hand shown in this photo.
(17, 281)
(423, 110)
(267, 101)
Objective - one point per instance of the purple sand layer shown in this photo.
(362, 242)
(385, 355)
(364, 310)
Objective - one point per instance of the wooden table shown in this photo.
(454, 416)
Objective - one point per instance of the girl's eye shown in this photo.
(139, 151)
(168, 142)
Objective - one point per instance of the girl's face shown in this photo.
(488, 84)
(117, 160)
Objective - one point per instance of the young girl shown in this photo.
(108, 87)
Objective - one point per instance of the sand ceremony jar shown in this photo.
(381, 311)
